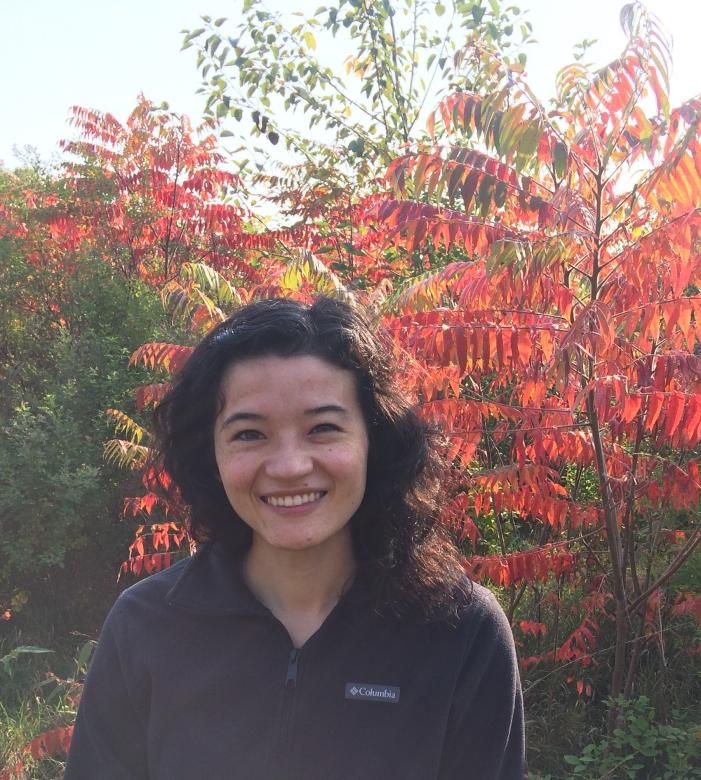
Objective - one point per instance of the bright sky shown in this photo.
(101, 53)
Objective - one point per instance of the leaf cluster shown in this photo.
(267, 70)
(641, 748)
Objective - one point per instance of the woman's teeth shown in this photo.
(297, 500)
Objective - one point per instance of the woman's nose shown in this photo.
(289, 461)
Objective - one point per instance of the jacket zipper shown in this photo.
(288, 708)
(292, 664)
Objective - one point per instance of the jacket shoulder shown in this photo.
(151, 593)
(481, 601)
(479, 614)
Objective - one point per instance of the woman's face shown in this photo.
(291, 446)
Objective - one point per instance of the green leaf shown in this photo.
(85, 652)
(439, 8)
(353, 250)
(485, 193)
(528, 143)
(500, 194)
(357, 146)
(13, 655)
(560, 160)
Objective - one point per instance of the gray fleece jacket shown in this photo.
(194, 678)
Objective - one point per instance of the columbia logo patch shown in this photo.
(367, 692)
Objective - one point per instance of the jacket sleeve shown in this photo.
(485, 734)
(109, 738)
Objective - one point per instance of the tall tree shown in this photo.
(556, 345)
(265, 71)
(573, 327)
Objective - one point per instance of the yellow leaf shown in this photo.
(292, 279)
(310, 40)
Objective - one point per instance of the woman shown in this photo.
(324, 630)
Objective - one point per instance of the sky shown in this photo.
(101, 54)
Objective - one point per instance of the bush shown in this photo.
(35, 717)
(640, 749)
(59, 501)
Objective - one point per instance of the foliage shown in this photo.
(44, 754)
(63, 365)
(573, 332)
(639, 748)
(538, 271)
(35, 724)
(41, 504)
(341, 132)
(7, 660)
(553, 338)
(145, 196)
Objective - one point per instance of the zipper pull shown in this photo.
(291, 679)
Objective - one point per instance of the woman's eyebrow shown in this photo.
(323, 409)
(326, 408)
(236, 416)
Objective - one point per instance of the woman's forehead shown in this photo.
(287, 378)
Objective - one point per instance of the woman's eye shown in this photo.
(324, 427)
(247, 435)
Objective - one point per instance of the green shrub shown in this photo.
(35, 702)
(641, 749)
(60, 539)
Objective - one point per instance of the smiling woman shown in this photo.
(325, 628)
(291, 447)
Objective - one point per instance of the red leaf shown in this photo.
(674, 413)
(654, 407)
(461, 348)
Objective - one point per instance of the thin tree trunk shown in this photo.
(617, 563)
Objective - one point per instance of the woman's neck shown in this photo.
(300, 587)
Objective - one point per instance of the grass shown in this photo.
(35, 700)
(19, 724)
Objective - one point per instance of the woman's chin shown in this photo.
(299, 539)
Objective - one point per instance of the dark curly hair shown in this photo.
(405, 560)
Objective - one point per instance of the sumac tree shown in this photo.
(572, 331)
(556, 344)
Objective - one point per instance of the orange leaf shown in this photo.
(674, 413)
(654, 407)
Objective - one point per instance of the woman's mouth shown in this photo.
(294, 499)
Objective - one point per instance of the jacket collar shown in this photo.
(211, 583)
